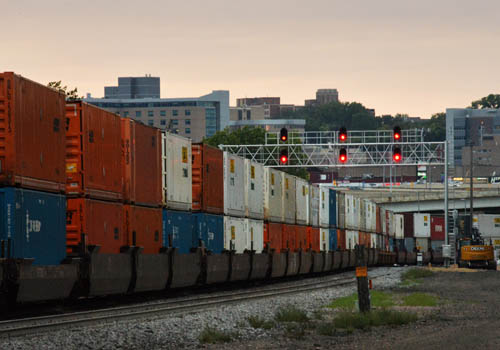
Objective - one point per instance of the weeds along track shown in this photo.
(25, 326)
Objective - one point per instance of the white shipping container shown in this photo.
(487, 224)
(324, 206)
(273, 195)
(234, 185)
(383, 221)
(289, 202)
(390, 223)
(255, 234)
(254, 190)
(422, 225)
(235, 235)
(314, 205)
(399, 226)
(362, 215)
(374, 240)
(352, 209)
(371, 216)
(351, 238)
(324, 242)
(302, 201)
(177, 184)
(340, 210)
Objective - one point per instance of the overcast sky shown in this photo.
(397, 56)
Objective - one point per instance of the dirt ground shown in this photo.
(467, 317)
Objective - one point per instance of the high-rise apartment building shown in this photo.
(134, 87)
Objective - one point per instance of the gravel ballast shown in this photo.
(183, 331)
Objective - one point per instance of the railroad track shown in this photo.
(25, 326)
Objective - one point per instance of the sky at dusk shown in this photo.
(397, 56)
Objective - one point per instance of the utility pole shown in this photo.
(471, 180)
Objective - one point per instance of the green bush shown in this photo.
(290, 313)
(383, 317)
(211, 335)
(257, 322)
(416, 273)
(377, 299)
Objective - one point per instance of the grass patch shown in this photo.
(258, 322)
(211, 335)
(295, 330)
(414, 275)
(420, 299)
(375, 318)
(290, 314)
(377, 299)
(326, 328)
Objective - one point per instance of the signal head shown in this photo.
(342, 134)
(342, 155)
(397, 133)
(396, 155)
(284, 134)
(284, 156)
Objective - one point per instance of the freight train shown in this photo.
(95, 204)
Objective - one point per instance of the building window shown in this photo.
(150, 114)
(125, 113)
(188, 130)
(163, 122)
(151, 122)
(249, 115)
(163, 113)
(175, 112)
(175, 122)
(187, 121)
(240, 114)
(187, 112)
(138, 114)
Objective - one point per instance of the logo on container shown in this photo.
(32, 226)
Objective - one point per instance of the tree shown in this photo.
(436, 127)
(490, 101)
(71, 95)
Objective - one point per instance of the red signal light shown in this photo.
(284, 159)
(342, 137)
(342, 134)
(397, 136)
(343, 155)
(343, 158)
(396, 155)
(284, 156)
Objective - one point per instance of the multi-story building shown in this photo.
(134, 87)
(271, 125)
(323, 97)
(249, 113)
(479, 128)
(195, 118)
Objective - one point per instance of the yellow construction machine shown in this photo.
(474, 253)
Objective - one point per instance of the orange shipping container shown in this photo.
(378, 225)
(289, 237)
(32, 135)
(143, 227)
(100, 222)
(93, 152)
(208, 179)
(273, 235)
(341, 242)
(141, 162)
(303, 240)
(314, 238)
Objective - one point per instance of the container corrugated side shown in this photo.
(273, 195)
(289, 237)
(410, 244)
(371, 223)
(383, 221)
(422, 225)
(209, 229)
(100, 222)
(378, 222)
(324, 244)
(235, 236)
(314, 205)
(178, 230)
(234, 185)
(487, 224)
(94, 153)
(289, 201)
(352, 238)
(437, 246)
(422, 244)
(399, 226)
(273, 236)
(176, 172)
(408, 220)
(314, 238)
(32, 136)
(324, 207)
(254, 190)
(341, 210)
(208, 179)
(144, 227)
(437, 228)
(35, 222)
(361, 214)
(302, 240)
(374, 240)
(255, 235)
(302, 201)
(332, 208)
(332, 235)
(351, 212)
(341, 239)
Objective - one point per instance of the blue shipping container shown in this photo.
(35, 222)
(333, 208)
(410, 244)
(210, 229)
(333, 238)
(391, 244)
(178, 229)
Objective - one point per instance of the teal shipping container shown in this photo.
(178, 230)
(33, 225)
(209, 229)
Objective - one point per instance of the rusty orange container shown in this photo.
(97, 222)
(141, 163)
(208, 179)
(93, 152)
(288, 240)
(273, 235)
(341, 242)
(143, 227)
(303, 240)
(314, 238)
(378, 225)
(32, 135)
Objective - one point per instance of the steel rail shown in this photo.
(26, 326)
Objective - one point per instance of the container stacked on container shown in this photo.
(32, 171)
(422, 231)
(324, 218)
(208, 197)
